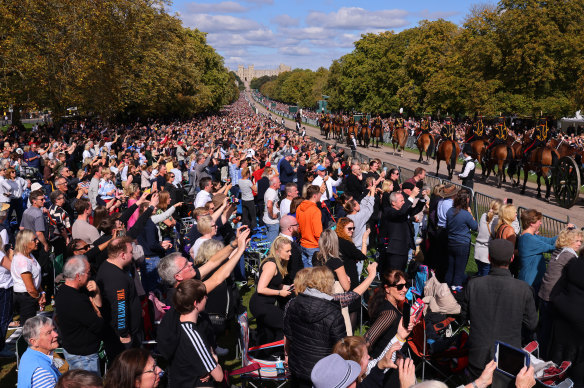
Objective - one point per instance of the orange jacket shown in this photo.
(309, 220)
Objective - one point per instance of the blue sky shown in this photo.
(304, 33)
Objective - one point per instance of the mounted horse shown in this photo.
(540, 161)
(501, 155)
(377, 131)
(351, 129)
(448, 150)
(364, 132)
(425, 143)
(475, 142)
(338, 127)
(327, 126)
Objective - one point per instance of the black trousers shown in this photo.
(26, 305)
(248, 216)
(389, 261)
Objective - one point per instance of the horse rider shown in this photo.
(446, 133)
(500, 134)
(541, 135)
(478, 130)
(364, 121)
(398, 123)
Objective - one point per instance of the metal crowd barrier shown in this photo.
(405, 174)
(550, 226)
(482, 204)
(431, 181)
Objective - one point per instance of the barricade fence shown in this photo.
(550, 226)
(482, 203)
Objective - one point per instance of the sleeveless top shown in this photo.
(274, 284)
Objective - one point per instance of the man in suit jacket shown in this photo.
(397, 231)
(498, 305)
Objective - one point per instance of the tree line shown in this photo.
(119, 59)
(523, 57)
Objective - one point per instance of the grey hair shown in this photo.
(207, 250)
(328, 244)
(74, 266)
(393, 196)
(430, 384)
(32, 327)
(167, 267)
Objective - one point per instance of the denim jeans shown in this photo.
(484, 268)
(457, 259)
(307, 256)
(272, 231)
(150, 277)
(89, 363)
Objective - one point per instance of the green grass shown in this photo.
(4, 128)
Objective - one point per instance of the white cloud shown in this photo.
(356, 18)
(295, 50)
(218, 23)
(285, 21)
(222, 7)
(260, 1)
(258, 37)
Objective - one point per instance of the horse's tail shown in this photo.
(431, 146)
(453, 155)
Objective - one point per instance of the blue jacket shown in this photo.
(459, 224)
(34, 361)
(530, 250)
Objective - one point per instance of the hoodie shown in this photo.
(309, 220)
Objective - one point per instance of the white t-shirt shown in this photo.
(22, 264)
(202, 198)
(5, 276)
(271, 195)
(285, 207)
(195, 248)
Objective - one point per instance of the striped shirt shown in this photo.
(42, 378)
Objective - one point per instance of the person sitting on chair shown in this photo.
(36, 365)
(541, 135)
(500, 133)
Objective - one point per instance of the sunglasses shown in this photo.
(83, 248)
(351, 228)
(398, 287)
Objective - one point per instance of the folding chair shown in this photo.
(255, 368)
(418, 344)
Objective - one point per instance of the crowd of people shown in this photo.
(132, 224)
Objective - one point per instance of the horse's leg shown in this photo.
(538, 195)
(525, 175)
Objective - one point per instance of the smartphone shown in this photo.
(406, 315)
(510, 359)
(509, 201)
(147, 191)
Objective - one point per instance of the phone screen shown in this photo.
(406, 315)
(509, 359)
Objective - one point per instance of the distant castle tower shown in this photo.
(246, 75)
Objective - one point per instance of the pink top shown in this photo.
(135, 215)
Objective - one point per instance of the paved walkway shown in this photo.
(410, 160)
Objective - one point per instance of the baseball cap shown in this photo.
(320, 168)
(334, 372)
(408, 186)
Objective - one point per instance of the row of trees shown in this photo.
(519, 57)
(115, 58)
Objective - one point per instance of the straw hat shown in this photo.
(448, 191)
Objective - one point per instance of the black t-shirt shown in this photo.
(121, 306)
(333, 263)
(192, 359)
(79, 325)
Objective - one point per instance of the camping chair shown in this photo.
(255, 368)
(418, 344)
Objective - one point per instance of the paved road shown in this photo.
(410, 160)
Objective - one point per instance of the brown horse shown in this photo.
(377, 131)
(327, 129)
(563, 147)
(425, 143)
(365, 136)
(448, 151)
(540, 160)
(351, 129)
(398, 139)
(501, 156)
